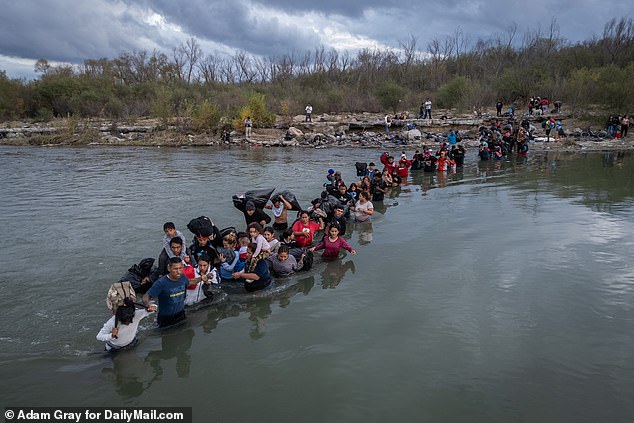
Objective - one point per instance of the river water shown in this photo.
(502, 293)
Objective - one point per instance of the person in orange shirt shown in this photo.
(444, 162)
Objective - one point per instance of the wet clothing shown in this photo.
(359, 216)
(168, 239)
(163, 262)
(377, 194)
(331, 249)
(195, 294)
(429, 163)
(309, 230)
(286, 267)
(171, 297)
(262, 270)
(196, 250)
(257, 216)
(403, 171)
(228, 267)
(340, 223)
(127, 333)
(443, 164)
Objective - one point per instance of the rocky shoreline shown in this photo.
(325, 131)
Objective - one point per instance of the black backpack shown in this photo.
(361, 168)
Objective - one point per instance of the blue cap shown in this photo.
(331, 171)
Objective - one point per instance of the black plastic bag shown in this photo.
(259, 197)
(290, 197)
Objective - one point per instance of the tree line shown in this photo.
(208, 92)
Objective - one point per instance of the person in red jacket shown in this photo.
(304, 229)
(403, 168)
(388, 162)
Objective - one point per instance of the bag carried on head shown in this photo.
(361, 168)
(201, 226)
(117, 293)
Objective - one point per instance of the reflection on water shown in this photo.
(175, 344)
(129, 373)
(334, 272)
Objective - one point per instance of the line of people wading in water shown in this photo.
(266, 248)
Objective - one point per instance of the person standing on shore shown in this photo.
(625, 124)
(498, 108)
(247, 127)
(388, 123)
(427, 108)
(309, 113)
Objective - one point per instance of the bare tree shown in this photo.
(42, 66)
(242, 62)
(190, 54)
(209, 68)
(262, 70)
(618, 37)
(319, 59)
(179, 59)
(227, 71)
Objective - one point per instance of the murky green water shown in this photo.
(502, 293)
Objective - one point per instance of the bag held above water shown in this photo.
(117, 293)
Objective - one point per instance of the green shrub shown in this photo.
(455, 94)
(390, 95)
(257, 109)
(206, 117)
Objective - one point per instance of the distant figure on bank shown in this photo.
(247, 127)
(309, 113)
(498, 108)
(427, 108)
(625, 124)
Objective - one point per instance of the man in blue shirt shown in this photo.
(170, 291)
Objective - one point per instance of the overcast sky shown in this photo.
(70, 31)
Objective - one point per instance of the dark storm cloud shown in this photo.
(238, 25)
(68, 31)
(72, 31)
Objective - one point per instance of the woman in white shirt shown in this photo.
(363, 209)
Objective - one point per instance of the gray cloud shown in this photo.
(71, 31)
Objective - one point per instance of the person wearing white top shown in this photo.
(309, 113)
(363, 209)
(204, 274)
(121, 329)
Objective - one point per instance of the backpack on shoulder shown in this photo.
(117, 293)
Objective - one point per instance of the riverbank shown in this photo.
(326, 130)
